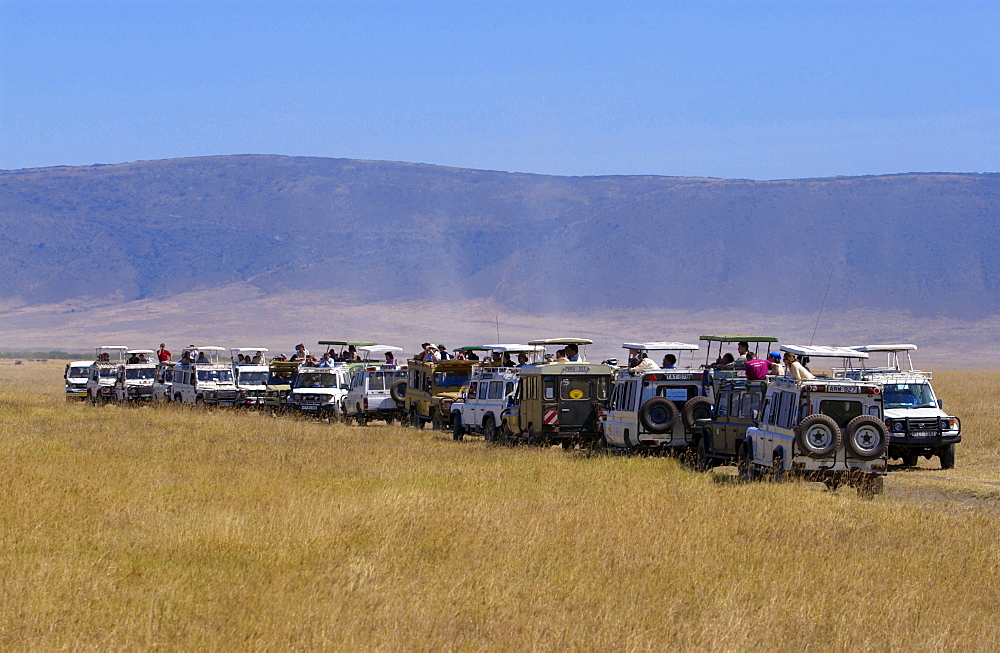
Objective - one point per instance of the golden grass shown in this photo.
(126, 528)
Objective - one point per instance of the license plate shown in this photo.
(310, 407)
(923, 434)
(850, 389)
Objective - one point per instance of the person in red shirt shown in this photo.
(162, 353)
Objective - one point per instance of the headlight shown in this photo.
(897, 427)
(947, 423)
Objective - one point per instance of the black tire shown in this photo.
(744, 463)
(398, 391)
(489, 429)
(910, 459)
(415, 419)
(867, 437)
(776, 473)
(503, 434)
(818, 435)
(532, 435)
(702, 462)
(947, 456)
(696, 408)
(456, 428)
(658, 415)
(177, 398)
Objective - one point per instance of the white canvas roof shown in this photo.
(140, 351)
(660, 346)
(240, 350)
(114, 347)
(515, 348)
(819, 351)
(205, 348)
(888, 348)
(379, 349)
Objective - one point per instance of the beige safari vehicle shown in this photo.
(432, 387)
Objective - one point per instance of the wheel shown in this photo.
(947, 456)
(438, 422)
(398, 391)
(777, 470)
(415, 419)
(532, 435)
(489, 429)
(702, 462)
(867, 437)
(658, 415)
(696, 408)
(910, 459)
(388, 421)
(457, 432)
(199, 401)
(503, 434)
(177, 397)
(744, 463)
(818, 435)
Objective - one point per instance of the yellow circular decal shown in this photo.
(576, 393)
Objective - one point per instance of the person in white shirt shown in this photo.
(645, 364)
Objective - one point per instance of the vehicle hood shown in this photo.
(899, 413)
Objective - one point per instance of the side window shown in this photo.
(771, 408)
(785, 416)
(746, 405)
(734, 404)
(473, 387)
(509, 388)
(496, 389)
(548, 388)
(722, 405)
(483, 387)
(633, 395)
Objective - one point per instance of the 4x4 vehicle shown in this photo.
(103, 372)
(251, 378)
(719, 438)
(558, 402)
(319, 391)
(135, 378)
(655, 409)
(917, 424)
(280, 376)
(377, 391)
(479, 409)
(75, 377)
(200, 378)
(430, 389)
(163, 381)
(826, 428)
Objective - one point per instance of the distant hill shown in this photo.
(382, 231)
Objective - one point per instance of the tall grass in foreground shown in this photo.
(186, 529)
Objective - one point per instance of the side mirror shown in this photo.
(940, 404)
(755, 416)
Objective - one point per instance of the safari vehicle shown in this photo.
(280, 376)
(346, 351)
(75, 378)
(201, 378)
(478, 409)
(917, 424)
(558, 402)
(655, 409)
(135, 378)
(827, 429)
(377, 390)
(103, 372)
(430, 389)
(319, 391)
(718, 371)
(251, 378)
(163, 381)
(719, 438)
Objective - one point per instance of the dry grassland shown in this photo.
(141, 528)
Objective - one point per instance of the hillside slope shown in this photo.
(387, 231)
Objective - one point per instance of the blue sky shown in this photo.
(759, 90)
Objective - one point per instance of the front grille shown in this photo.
(225, 394)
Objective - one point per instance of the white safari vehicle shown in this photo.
(75, 376)
(827, 429)
(478, 410)
(377, 390)
(135, 378)
(655, 407)
(320, 391)
(201, 378)
(103, 372)
(251, 377)
(917, 424)
(163, 381)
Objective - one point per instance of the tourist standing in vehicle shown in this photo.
(644, 364)
(257, 359)
(777, 369)
(795, 368)
(572, 353)
(389, 360)
(443, 352)
(669, 362)
(162, 354)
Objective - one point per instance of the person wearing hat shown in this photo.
(444, 353)
(777, 369)
(431, 354)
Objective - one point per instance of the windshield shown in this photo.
(583, 387)
(452, 378)
(78, 372)
(382, 380)
(253, 378)
(219, 376)
(315, 380)
(280, 378)
(908, 395)
(109, 372)
(140, 373)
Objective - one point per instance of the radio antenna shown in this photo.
(497, 317)
(822, 306)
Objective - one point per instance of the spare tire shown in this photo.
(818, 435)
(658, 415)
(696, 408)
(398, 391)
(867, 437)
